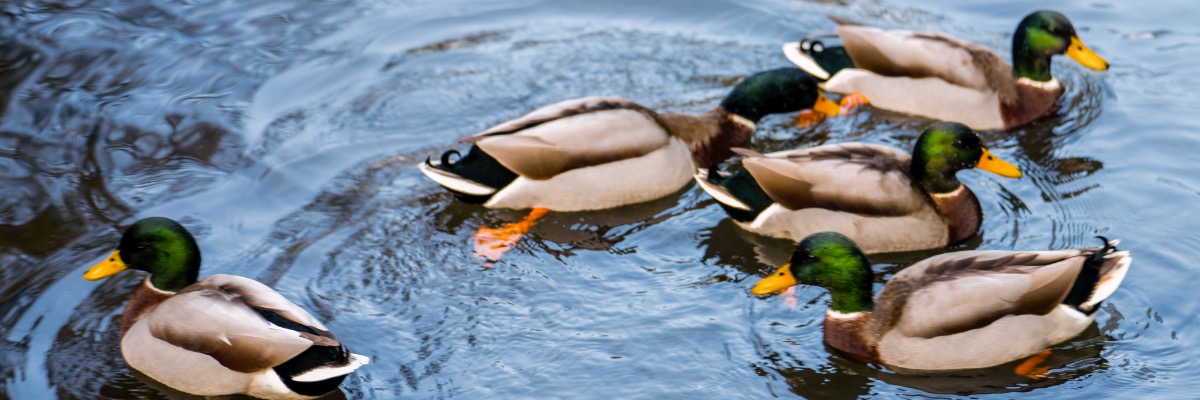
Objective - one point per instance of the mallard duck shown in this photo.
(883, 198)
(945, 78)
(962, 310)
(219, 335)
(603, 152)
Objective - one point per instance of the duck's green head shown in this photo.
(160, 246)
(1043, 34)
(777, 91)
(830, 260)
(948, 147)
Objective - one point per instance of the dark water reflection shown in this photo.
(285, 135)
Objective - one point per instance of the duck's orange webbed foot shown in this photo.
(1032, 367)
(492, 243)
(853, 101)
(808, 118)
(825, 108)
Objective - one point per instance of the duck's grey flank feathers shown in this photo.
(215, 316)
(958, 292)
(583, 140)
(817, 177)
(922, 55)
(562, 109)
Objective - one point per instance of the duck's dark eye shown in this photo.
(141, 246)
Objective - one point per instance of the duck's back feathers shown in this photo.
(981, 308)
(573, 134)
(562, 109)
(921, 55)
(222, 316)
(963, 291)
(818, 177)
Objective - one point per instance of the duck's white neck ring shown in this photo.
(843, 316)
(1052, 84)
(150, 286)
(740, 120)
(950, 194)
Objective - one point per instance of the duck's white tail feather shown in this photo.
(1116, 264)
(323, 373)
(718, 192)
(794, 54)
(453, 181)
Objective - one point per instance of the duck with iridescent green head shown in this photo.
(960, 310)
(946, 78)
(219, 335)
(595, 153)
(883, 198)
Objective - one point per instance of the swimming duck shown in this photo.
(883, 198)
(961, 310)
(602, 152)
(945, 78)
(219, 335)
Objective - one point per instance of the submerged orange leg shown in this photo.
(491, 243)
(1031, 368)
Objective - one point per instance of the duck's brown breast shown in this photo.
(848, 334)
(143, 299)
(1034, 100)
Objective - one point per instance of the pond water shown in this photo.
(285, 136)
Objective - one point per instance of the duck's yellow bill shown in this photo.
(826, 106)
(106, 268)
(777, 282)
(989, 162)
(1081, 53)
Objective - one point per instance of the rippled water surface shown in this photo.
(285, 135)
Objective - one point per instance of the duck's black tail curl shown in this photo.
(476, 166)
(1089, 277)
(828, 52)
(742, 186)
(446, 159)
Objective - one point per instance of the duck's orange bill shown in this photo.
(777, 282)
(1082, 54)
(492, 243)
(989, 162)
(826, 106)
(106, 268)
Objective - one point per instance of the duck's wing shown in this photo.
(958, 292)
(851, 177)
(919, 55)
(562, 109)
(573, 134)
(243, 324)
